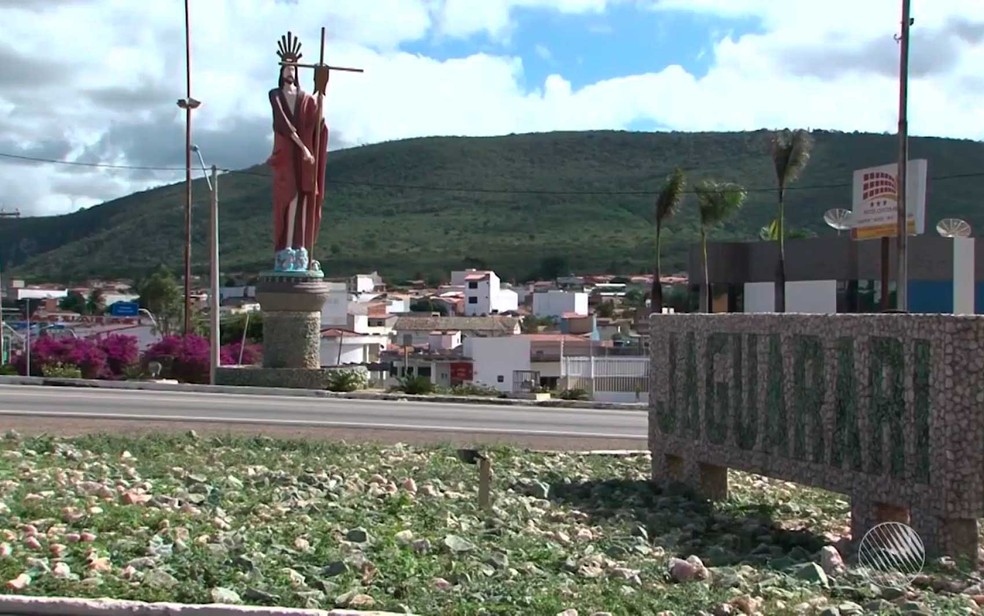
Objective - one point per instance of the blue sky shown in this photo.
(585, 49)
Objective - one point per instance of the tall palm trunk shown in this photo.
(780, 287)
(705, 289)
(656, 296)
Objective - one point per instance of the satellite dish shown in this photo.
(953, 227)
(838, 218)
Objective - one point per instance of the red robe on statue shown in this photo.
(293, 177)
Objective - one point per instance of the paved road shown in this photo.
(298, 412)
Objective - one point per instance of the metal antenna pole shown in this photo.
(901, 264)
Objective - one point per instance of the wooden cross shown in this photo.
(322, 69)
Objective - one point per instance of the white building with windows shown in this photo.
(556, 303)
(484, 294)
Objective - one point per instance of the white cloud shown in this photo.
(101, 78)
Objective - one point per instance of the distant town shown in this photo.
(574, 333)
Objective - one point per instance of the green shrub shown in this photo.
(474, 389)
(61, 371)
(415, 385)
(346, 380)
(574, 394)
(8, 370)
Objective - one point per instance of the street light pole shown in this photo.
(27, 341)
(213, 275)
(902, 228)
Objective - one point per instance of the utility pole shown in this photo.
(902, 229)
(188, 104)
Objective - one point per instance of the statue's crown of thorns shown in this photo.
(289, 48)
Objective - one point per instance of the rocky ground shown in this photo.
(309, 523)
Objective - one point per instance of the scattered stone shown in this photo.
(357, 535)
(812, 572)
(404, 537)
(160, 579)
(458, 545)
(225, 595)
(831, 560)
(688, 570)
(421, 546)
(568, 612)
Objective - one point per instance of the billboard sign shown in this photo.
(875, 200)
(124, 309)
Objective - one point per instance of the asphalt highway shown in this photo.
(74, 404)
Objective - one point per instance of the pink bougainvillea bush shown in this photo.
(122, 354)
(80, 352)
(186, 358)
(252, 353)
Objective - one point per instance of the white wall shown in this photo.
(444, 341)
(803, 296)
(363, 283)
(498, 357)
(353, 352)
(334, 312)
(507, 300)
(355, 349)
(556, 303)
(963, 275)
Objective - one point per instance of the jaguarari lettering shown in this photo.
(731, 366)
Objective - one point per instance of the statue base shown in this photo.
(258, 376)
(291, 304)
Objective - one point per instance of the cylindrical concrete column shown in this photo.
(291, 306)
(292, 340)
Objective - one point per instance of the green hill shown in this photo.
(520, 204)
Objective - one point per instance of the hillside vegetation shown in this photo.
(521, 204)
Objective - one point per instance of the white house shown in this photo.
(556, 303)
(495, 360)
(340, 347)
(484, 294)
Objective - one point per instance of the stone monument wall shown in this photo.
(885, 408)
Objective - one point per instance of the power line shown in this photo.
(471, 189)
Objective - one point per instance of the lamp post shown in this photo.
(188, 104)
(902, 229)
(213, 265)
(27, 340)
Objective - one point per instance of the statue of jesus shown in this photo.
(300, 147)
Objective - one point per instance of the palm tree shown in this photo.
(790, 155)
(667, 201)
(716, 202)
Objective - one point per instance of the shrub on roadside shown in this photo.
(346, 380)
(122, 354)
(475, 389)
(61, 371)
(252, 353)
(8, 370)
(50, 350)
(184, 358)
(574, 394)
(415, 385)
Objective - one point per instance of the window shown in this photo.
(472, 300)
(472, 285)
(500, 378)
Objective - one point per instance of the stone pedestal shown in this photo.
(291, 303)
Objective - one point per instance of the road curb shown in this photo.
(66, 606)
(313, 393)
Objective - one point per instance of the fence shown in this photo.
(613, 379)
